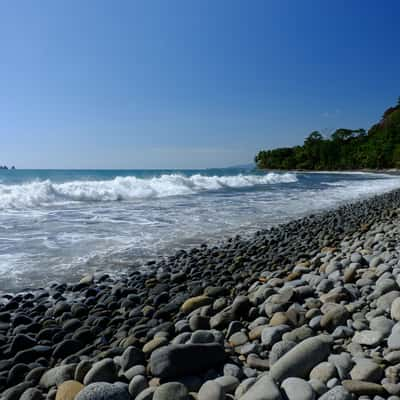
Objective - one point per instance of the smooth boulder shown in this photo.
(264, 389)
(104, 391)
(185, 359)
(171, 390)
(297, 389)
(299, 361)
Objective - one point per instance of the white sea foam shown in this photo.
(127, 188)
(60, 231)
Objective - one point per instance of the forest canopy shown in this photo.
(345, 149)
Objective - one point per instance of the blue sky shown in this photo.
(187, 84)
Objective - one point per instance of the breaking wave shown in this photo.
(127, 188)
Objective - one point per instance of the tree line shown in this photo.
(345, 149)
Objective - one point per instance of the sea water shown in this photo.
(57, 225)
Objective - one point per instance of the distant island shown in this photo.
(242, 166)
(5, 167)
(346, 149)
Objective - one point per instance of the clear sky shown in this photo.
(190, 83)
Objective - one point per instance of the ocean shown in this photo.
(57, 225)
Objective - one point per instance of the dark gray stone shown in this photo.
(171, 390)
(104, 391)
(101, 371)
(299, 361)
(178, 360)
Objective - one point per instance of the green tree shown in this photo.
(345, 149)
(342, 134)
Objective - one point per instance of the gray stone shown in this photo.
(357, 258)
(368, 338)
(392, 388)
(137, 385)
(87, 279)
(393, 357)
(222, 319)
(260, 294)
(318, 386)
(147, 394)
(250, 372)
(130, 357)
(315, 322)
(182, 338)
(385, 301)
(134, 371)
(263, 389)
(279, 349)
(323, 372)
(335, 317)
(272, 334)
(31, 394)
(298, 334)
(244, 387)
(394, 338)
(360, 388)
(202, 336)
(366, 370)
(234, 326)
(211, 390)
(254, 361)
(299, 361)
(343, 363)
(238, 338)
(355, 349)
(385, 285)
(104, 391)
(342, 332)
(229, 383)
(233, 370)
(337, 393)
(395, 310)
(35, 374)
(15, 392)
(82, 369)
(57, 375)
(332, 383)
(101, 371)
(154, 344)
(377, 260)
(283, 297)
(248, 348)
(297, 389)
(171, 390)
(258, 322)
(381, 324)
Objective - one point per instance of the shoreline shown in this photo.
(29, 275)
(390, 171)
(238, 299)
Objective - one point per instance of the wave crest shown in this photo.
(127, 188)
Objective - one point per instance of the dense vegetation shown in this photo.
(379, 148)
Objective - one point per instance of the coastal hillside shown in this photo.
(345, 149)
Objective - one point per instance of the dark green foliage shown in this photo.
(346, 149)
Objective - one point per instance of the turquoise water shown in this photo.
(60, 224)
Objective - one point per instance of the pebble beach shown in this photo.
(305, 310)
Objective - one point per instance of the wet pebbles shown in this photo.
(306, 310)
